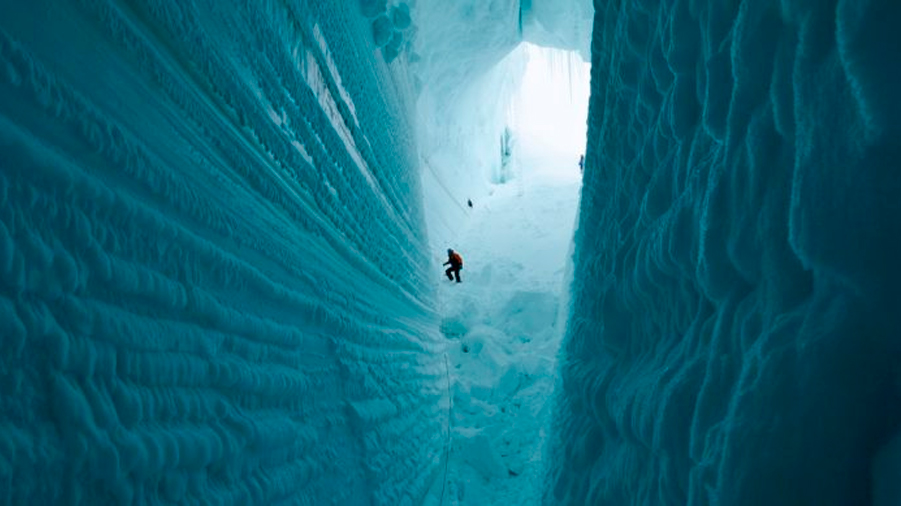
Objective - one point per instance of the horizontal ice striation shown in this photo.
(733, 336)
(212, 260)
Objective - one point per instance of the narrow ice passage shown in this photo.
(504, 331)
(220, 277)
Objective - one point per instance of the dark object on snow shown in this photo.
(456, 264)
(469, 203)
(581, 163)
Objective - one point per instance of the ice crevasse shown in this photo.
(216, 283)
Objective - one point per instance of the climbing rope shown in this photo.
(442, 185)
(450, 405)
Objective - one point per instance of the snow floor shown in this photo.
(502, 321)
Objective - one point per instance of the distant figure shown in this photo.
(469, 203)
(456, 263)
(581, 162)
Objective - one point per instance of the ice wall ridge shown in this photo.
(733, 330)
(212, 260)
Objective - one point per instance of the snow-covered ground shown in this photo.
(504, 329)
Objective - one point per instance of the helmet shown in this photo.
(450, 251)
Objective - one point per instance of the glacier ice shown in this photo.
(213, 260)
(218, 225)
(733, 330)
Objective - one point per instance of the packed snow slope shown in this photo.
(504, 331)
(734, 330)
(214, 276)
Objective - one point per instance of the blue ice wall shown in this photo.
(734, 330)
(212, 259)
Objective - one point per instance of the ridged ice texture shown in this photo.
(212, 259)
(734, 330)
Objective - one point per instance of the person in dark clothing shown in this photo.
(469, 203)
(456, 263)
(581, 163)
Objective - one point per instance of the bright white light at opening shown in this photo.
(551, 107)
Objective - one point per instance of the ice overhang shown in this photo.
(456, 42)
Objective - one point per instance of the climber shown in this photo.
(469, 203)
(456, 264)
(581, 163)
